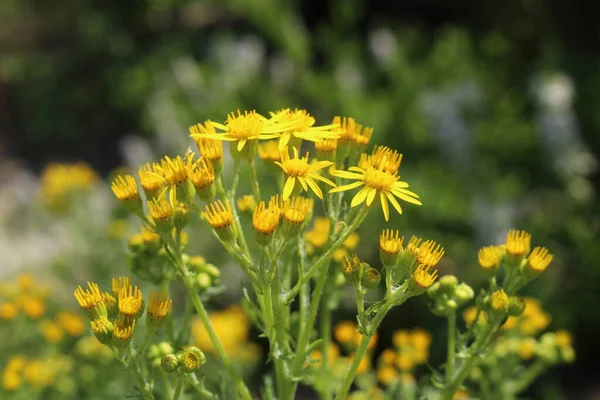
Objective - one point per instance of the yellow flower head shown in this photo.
(8, 311)
(401, 338)
(390, 241)
(37, 374)
(347, 127)
(563, 338)
(326, 147)
(160, 210)
(130, 301)
(345, 332)
(218, 214)
(471, 313)
(26, 282)
(151, 179)
(404, 361)
(376, 183)
(175, 170)
(246, 203)
(382, 158)
(231, 325)
(103, 329)
(318, 236)
(51, 331)
(201, 173)
(539, 259)
(88, 299)
(300, 126)
(527, 348)
(489, 257)
(59, 181)
(70, 322)
(298, 169)
(517, 243)
(32, 306)
(420, 339)
(499, 300)
(413, 245)
(423, 276)
(120, 283)
(269, 151)
(123, 333)
(430, 253)
(265, 220)
(242, 128)
(296, 210)
(351, 241)
(158, 307)
(125, 188)
(387, 375)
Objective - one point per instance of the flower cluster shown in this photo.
(60, 182)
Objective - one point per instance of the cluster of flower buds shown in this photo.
(448, 295)
(113, 317)
(358, 272)
(187, 361)
(205, 275)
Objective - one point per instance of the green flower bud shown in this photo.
(181, 216)
(191, 359)
(451, 304)
(136, 242)
(516, 306)
(203, 281)
(433, 290)
(103, 330)
(370, 278)
(169, 363)
(351, 267)
(463, 293)
(195, 263)
(448, 283)
(165, 348)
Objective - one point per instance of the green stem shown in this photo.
(451, 345)
(254, 180)
(236, 218)
(476, 349)
(526, 378)
(142, 385)
(364, 342)
(179, 388)
(305, 278)
(326, 393)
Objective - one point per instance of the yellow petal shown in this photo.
(346, 187)
(385, 206)
(394, 202)
(314, 187)
(303, 182)
(285, 138)
(323, 179)
(360, 197)
(371, 196)
(289, 187)
(241, 144)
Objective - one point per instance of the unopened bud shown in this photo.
(169, 363)
(371, 278)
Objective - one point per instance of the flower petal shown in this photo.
(315, 187)
(323, 179)
(385, 206)
(303, 182)
(285, 138)
(346, 187)
(241, 144)
(371, 196)
(288, 188)
(347, 175)
(406, 197)
(394, 202)
(360, 196)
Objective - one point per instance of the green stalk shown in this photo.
(305, 278)
(326, 393)
(254, 179)
(526, 378)
(451, 345)
(179, 388)
(465, 367)
(236, 218)
(142, 385)
(364, 342)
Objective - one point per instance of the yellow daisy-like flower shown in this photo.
(382, 158)
(158, 308)
(489, 257)
(210, 149)
(122, 282)
(151, 179)
(376, 182)
(130, 301)
(539, 259)
(517, 243)
(125, 188)
(269, 151)
(302, 175)
(302, 127)
(88, 299)
(242, 128)
(424, 277)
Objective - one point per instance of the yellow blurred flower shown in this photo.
(231, 325)
(32, 306)
(71, 322)
(8, 311)
(52, 332)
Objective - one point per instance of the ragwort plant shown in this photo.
(294, 275)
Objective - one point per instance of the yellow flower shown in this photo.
(382, 158)
(387, 357)
(489, 257)
(298, 169)
(123, 333)
(300, 126)
(563, 338)
(211, 149)
(352, 241)
(175, 173)
(387, 375)
(8, 311)
(539, 259)
(59, 181)
(319, 235)
(269, 151)
(430, 253)
(517, 243)
(242, 128)
(130, 302)
(404, 362)
(232, 327)
(390, 242)
(151, 179)
(326, 148)
(265, 220)
(122, 282)
(220, 217)
(246, 203)
(11, 381)
(71, 322)
(499, 301)
(37, 374)
(345, 331)
(161, 212)
(347, 127)
(296, 210)
(423, 277)
(401, 338)
(125, 188)
(420, 339)
(527, 348)
(471, 313)
(89, 298)
(26, 282)
(158, 308)
(52, 332)
(33, 307)
(376, 182)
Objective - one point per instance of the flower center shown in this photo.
(245, 127)
(297, 167)
(378, 180)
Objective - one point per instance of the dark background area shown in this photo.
(79, 75)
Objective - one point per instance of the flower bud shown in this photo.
(103, 330)
(516, 307)
(433, 290)
(390, 247)
(196, 263)
(169, 363)
(135, 242)
(181, 216)
(448, 283)
(191, 359)
(499, 301)
(370, 277)
(203, 281)
(463, 293)
(351, 267)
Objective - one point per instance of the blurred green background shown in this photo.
(494, 105)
